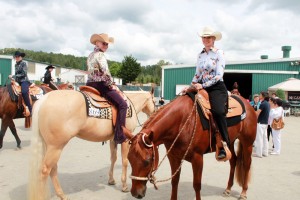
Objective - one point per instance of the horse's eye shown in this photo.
(130, 142)
(146, 162)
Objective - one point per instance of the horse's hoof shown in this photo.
(113, 182)
(125, 190)
(226, 193)
(242, 197)
(18, 148)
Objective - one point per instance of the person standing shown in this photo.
(100, 78)
(209, 76)
(21, 77)
(48, 77)
(276, 113)
(255, 102)
(261, 140)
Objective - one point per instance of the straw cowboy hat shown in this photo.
(18, 53)
(49, 67)
(208, 31)
(103, 37)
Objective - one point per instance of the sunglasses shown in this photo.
(104, 44)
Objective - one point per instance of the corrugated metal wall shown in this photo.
(5, 70)
(260, 81)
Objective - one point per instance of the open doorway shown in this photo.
(244, 82)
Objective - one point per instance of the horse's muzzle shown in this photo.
(139, 193)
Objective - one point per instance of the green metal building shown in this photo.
(251, 76)
(5, 68)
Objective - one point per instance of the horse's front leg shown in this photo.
(175, 163)
(113, 159)
(197, 164)
(125, 149)
(2, 132)
(8, 122)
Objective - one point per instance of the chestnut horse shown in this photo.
(58, 117)
(9, 109)
(177, 125)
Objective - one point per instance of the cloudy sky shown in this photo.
(152, 30)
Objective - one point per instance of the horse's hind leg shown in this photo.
(245, 168)
(113, 159)
(56, 184)
(232, 171)
(13, 130)
(125, 149)
(49, 167)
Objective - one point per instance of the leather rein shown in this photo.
(150, 177)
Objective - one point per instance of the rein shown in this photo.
(151, 178)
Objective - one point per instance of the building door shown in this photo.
(244, 81)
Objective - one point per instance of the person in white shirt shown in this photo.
(275, 113)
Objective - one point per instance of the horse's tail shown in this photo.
(37, 188)
(240, 169)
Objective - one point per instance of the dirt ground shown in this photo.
(83, 171)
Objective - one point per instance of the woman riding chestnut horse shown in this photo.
(178, 126)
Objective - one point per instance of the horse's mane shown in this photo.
(159, 112)
(136, 92)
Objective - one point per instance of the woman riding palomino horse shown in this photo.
(178, 126)
(100, 78)
(55, 123)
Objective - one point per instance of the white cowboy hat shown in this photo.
(208, 31)
(102, 37)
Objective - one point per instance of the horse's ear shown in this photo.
(152, 90)
(127, 133)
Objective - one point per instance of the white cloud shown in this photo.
(152, 30)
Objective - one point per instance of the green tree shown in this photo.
(130, 69)
(280, 94)
(114, 69)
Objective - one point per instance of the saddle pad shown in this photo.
(231, 121)
(101, 112)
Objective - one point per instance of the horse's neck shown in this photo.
(138, 100)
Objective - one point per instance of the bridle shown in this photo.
(150, 177)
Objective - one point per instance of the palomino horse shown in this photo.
(57, 118)
(177, 125)
(9, 111)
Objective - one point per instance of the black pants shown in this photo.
(218, 98)
(53, 86)
(25, 94)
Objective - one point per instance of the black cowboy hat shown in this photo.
(49, 67)
(18, 53)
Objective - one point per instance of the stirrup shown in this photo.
(227, 152)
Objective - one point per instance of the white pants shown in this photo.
(261, 140)
(276, 140)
